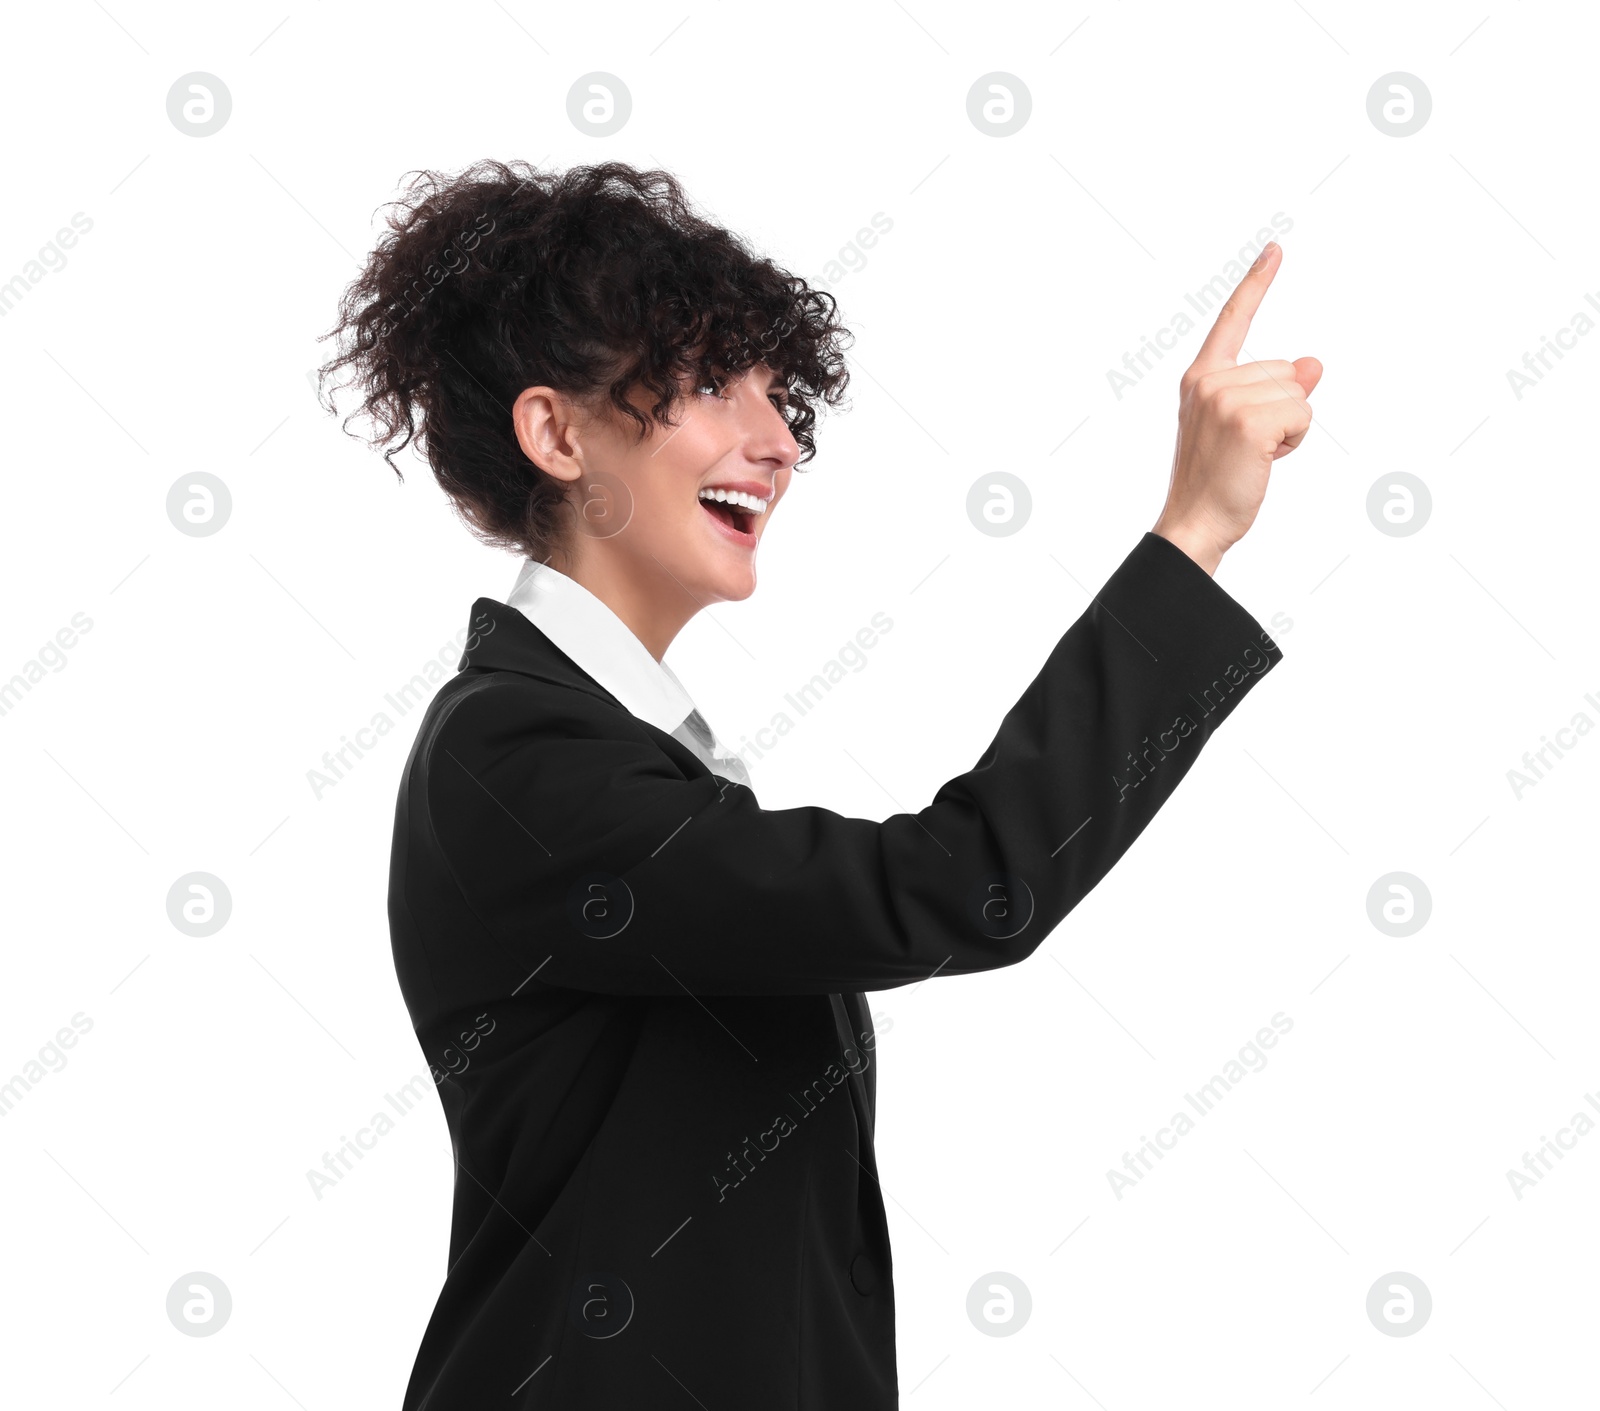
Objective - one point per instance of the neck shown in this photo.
(652, 604)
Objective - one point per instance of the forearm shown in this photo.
(1203, 547)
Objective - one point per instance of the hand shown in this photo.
(1233, 423)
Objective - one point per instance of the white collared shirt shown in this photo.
(604, 646)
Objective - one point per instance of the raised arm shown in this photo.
(586, 855)
(582, 850)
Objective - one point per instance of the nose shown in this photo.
(766, 430)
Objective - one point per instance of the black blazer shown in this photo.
(639, 995)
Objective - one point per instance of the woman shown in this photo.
(639, 991)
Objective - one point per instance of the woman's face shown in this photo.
(641, 508)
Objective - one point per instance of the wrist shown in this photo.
(1200, 546)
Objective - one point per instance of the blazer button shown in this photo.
(863, 1274)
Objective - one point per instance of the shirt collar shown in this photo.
(589, 632)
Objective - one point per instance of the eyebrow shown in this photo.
(777, 384)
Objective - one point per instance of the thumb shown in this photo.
(1307, 372)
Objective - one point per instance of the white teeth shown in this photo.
(737, 497)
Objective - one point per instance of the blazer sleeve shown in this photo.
(582, 849)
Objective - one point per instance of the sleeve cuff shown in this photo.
(1193, 630)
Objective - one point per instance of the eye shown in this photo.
(712, 384)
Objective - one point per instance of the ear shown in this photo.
(544, 421)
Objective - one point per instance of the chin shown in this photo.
(736, 587)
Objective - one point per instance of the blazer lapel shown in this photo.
(499, 638)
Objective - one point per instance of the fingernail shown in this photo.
(1261, 259)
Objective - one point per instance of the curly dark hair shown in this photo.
(594, 281)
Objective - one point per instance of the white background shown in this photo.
(178, 734)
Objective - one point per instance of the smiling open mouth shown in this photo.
(734, 512)
(735, 517)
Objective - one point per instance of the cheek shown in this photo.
(662, 514)
(666, 498)
(673, 476)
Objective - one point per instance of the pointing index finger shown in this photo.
(1222, 345)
